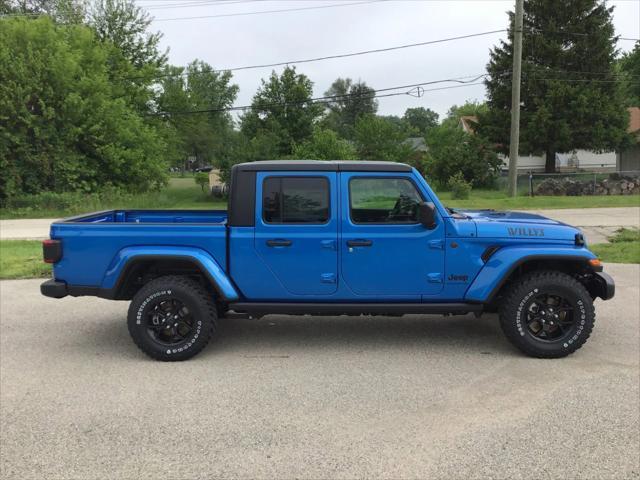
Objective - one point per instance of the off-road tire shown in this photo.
(193, 296)
(513, 313)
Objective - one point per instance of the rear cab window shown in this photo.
(295, 200)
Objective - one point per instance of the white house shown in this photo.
(565, 162)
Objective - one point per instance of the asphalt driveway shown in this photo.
(321, 397)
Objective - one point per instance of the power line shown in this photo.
(236, 14)
(310, 101)
(612, 74)
(415, 89)
(579, 34)
(328, 57)
(195, 3)
(618, 77)
(283, 10)
(579, 80)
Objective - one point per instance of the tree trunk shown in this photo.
(550, 161)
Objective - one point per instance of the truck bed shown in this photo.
(151, 216)
(93, 244)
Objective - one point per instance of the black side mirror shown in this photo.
(427, 214)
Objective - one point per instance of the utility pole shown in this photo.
(515, 99)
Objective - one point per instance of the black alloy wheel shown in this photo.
(169, 322)
(550, 317)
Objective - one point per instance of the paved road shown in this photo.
(331, 397)
(25, 229)
(597, 223)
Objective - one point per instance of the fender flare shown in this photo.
(502, 264)
(129, 256)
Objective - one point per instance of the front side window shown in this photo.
(295, 200)
(383, 200)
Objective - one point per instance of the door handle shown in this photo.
(359, 243)
(279, 242)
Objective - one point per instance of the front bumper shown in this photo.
(606, 287)
(54, 289)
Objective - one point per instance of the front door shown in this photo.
(297, 230)
(385, 251)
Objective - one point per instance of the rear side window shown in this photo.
(295, 200)
(383, 200)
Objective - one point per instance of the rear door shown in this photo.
(297, 230)
(384, 249)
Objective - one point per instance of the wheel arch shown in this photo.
(134, 267)
(507, 265)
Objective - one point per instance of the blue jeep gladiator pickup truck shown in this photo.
(329, 238)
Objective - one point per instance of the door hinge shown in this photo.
(434, 277)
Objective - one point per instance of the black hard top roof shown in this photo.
(322, 165)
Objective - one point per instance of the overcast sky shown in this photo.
(235, 41)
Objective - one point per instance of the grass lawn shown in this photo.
(499, 200)
(22, 259)
(624, 247)
(183, 193)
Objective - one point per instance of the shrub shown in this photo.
(460, 188)
(68, 201)
(202, 179)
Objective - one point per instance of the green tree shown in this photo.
(349, 101)
(421, 119)
(62, 128)
(135, 57)
(325, 145)
(282, 108)
(205, 135)
(126, 26)
(570, 96)
(263, 146)
(467, 109)
(401, 125)
(452, 151)
(630, 72)
(379, 138)
(62, 11)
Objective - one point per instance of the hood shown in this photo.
(491, 223)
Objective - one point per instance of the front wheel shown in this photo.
(547, 314)
(171, 318)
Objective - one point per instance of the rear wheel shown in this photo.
(547, 314)
(171, 318)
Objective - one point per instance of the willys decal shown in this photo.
(525, 232)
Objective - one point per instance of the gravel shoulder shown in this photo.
(314, 397)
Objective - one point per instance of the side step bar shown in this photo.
(257, 309)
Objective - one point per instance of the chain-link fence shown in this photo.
(580, 183)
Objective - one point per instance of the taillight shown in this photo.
(51, 250)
